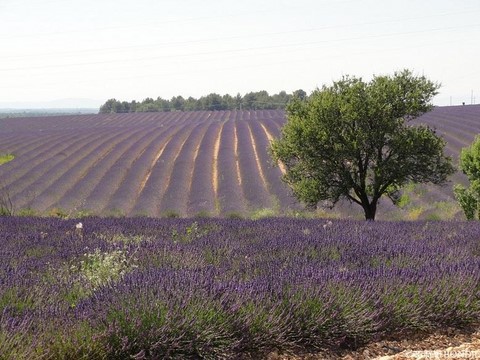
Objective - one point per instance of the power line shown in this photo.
(238, 50)
(231, 68)
(176, 43)
(156, 24)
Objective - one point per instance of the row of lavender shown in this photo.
(144, 163)
(156, 163)
(458, 125)
(178, 288)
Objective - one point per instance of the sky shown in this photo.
(129, 50)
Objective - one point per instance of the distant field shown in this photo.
(16, 113)
(185, 163)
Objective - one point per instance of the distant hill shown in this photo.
(69, 103)
(16, 113)
(46, 108)
(208, 162)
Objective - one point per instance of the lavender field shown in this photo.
(144, 164)
(143, 288)
(184, 163)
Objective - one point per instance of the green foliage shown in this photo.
(234, 215)
(415, 212)
(191, 233)
(4, 158)
(444, 210)
(115, 212)
(352, 140)
(78, 342)
(68, 214)
(119, 238)
(469, 198)
(92, 271)
(60, 213)
(260, 100)
(403, 201)
(433, 217)
(170, 214)
(7, 207)
(100, 268)
(27, 212)
(81, 213)
(16, 300)
(5, 211)
(203, 214)
(263, 213)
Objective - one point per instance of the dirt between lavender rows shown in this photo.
(449, 343)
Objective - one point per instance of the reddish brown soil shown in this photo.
(447, 343)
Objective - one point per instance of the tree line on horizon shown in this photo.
(260, 100)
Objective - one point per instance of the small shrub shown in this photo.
(27, 212)
(99, 268)
(60, 213)
(433, 217)
(4, 158)
(170, 214)
(263, 213)
(118, 213)
(404, 201)
(191, 233)
(7, 207)
(468, 201)
(119, 238)
(82, 213)
(234, 215)
(448, 209)
(414, 213)
(202, 214)
(5, 211)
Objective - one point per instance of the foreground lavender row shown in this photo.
(183, 288)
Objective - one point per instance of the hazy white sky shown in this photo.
(99, 49)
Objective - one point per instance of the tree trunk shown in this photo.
(370, 209)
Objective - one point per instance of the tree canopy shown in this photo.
(260, 100)
(469, 198)
(353, 140)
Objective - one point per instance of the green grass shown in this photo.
(4, 158)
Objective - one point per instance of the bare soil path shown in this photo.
(445, 344)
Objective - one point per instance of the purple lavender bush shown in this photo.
(215, 288)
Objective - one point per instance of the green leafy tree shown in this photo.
(212, 101)
(124, 107)
(353, 140)
(110, 106)
(259, 100)
(228, 101)
(238, 101)
(280, 100)
(162, 104)
(178, 103)
(147, 107)
(301, 94)
(191, 104)
(469, 198)
(262, 100)
(249, 101)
